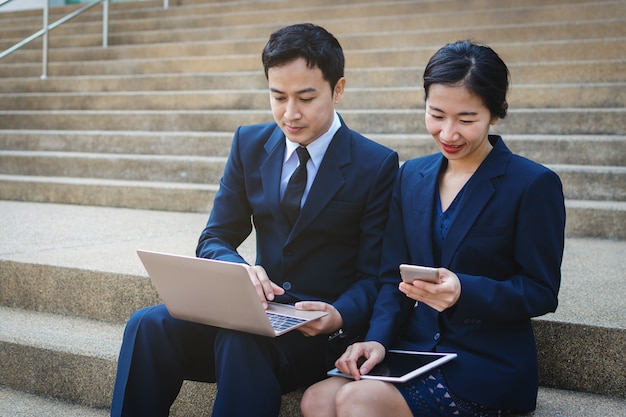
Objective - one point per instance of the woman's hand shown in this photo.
(439, 296)
(369, 353)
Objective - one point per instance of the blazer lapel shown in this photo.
(479, 190)
(329, 179)
(421, 186)
(270, 172)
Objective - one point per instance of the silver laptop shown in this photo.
(218, 293)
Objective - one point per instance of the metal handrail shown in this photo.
(47, 27)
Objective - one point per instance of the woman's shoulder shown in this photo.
(417, 168)
(521, 165)
(525, 174)
(423, 161)
(517, 164)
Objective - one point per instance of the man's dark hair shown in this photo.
(311, 42)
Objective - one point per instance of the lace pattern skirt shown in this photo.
(430, 397)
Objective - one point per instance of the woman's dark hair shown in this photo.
(311, 42)
(477, 67)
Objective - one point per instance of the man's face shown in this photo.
(302, 102)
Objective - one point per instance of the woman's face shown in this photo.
(459, 122)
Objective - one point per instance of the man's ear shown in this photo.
(338, 90)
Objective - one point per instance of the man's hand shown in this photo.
(327, 324)
(265, 288)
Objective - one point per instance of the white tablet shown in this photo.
(402, 365)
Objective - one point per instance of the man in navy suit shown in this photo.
(323, 258)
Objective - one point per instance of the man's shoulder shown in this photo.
(364, 144)
(260, 130)
(373, 144)
(255, 139)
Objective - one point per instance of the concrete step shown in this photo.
(585, 218)
(147, 195)
(550, 403)
(580, 182)
(64, 356)
(599, 219)
(14, 403)
(582, 28)
(186, 57)
(69, 345)
(599, 150)
(159, 168)
(528, 73)
(46, 246)
(383, 15)
(567, 61)
(242, 12)
(559, 121)
(22, 17)
(402, 36)
(402, 97)
(148, 143)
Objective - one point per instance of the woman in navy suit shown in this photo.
(493, 224)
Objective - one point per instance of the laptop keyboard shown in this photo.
(280, 322)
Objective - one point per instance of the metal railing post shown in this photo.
(105, 23)
(47, 27)
(46, 14)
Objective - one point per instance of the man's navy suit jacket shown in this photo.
(506, 246)
(333, 252)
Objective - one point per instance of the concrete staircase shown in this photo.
(122, 148)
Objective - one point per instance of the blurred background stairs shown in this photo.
(122, 148)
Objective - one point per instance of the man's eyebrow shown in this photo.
(303, 91)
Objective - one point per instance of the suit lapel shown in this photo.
(478, 192)
(421, 187)
(329, 179)
(271, 170)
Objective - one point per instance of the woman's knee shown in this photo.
(319, 398)
(358, 393)
(370, 398)
(311, 401)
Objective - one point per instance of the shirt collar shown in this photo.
(318, 147)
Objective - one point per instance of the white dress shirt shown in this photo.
(316, 149)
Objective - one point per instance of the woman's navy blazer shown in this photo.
(506, 245)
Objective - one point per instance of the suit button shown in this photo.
(287, 286)
(437, 336)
